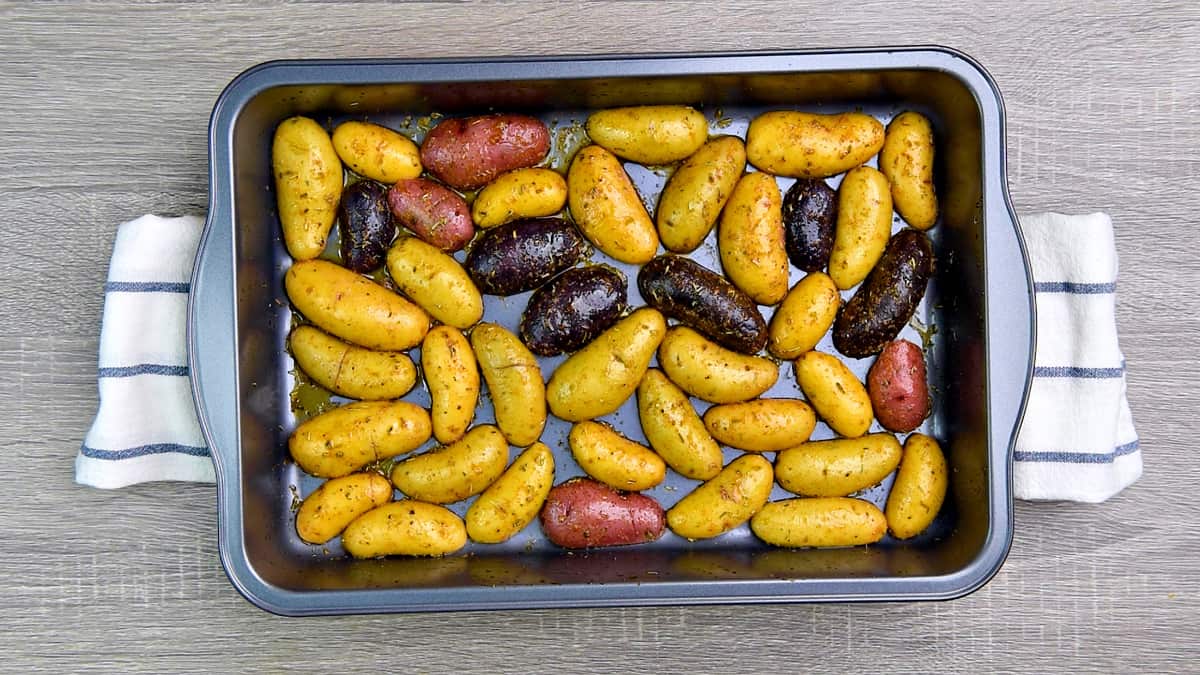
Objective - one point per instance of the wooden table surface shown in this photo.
(105, 106)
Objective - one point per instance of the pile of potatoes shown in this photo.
(527, 227)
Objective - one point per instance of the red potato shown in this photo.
(897, 386)
(583, 513)
(435, 213)
(467, 153)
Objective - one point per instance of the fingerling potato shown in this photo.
(353, 307)
(804, 316)
(897, 386)
(435, 281)
(341, 441)
(761, 425)
(649, 134)
(920, 487)
(524, 254)
(332, 506)
(702, 299)
(809, 221)
(707, 370)
(607, 208)
(573, 309)
(452, 376)
(694, 195)
(811, 145)
(750, 239)
(523, 193)
(457, 471)
(351, 371)
(836, 394)
(674, 429)
(883, 305)
(584, 513)
(467, 153)
(433, 212)
(405, 527)
(725, 501)
(514, 382)
(613, 459)
(864, 224)
(513, 501)
(819, 522)
(376, 152)
(907, 161)
(838, 467)
(366, 226)
(308, 185)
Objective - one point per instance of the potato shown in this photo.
(435, 281)
(366, 227)
(522, 255)
(920, 487)
(613, 459)
(811, 145)
(573, 309)
(513, 501)
(725, 501)
(377, 152)
(809, 221)
(341, 441)
(607, 208)
(836, 394)
(433, 212)
(583, 513)
(514, 382)
(524, 193)
(804, 316)
(707, 370)
(838, 467)
(886, 301)
(308, 185)
(819, 522)
(453, 379)
(897, 386)
(694, 195)
(351, 371)
(674, 429)
(332, 506)
(761, 425)
(750, 239)
(864, 224)
(907, 161)
(405, 527)
(467, 153)
(649, 134)
(453, 473)
(702, 299)
(597, 379)
(353, 307)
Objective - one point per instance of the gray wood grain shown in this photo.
(105, 107)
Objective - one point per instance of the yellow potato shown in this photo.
(351, 371)
(907, 161)
(597, 379)
(330, 508)
(674, 429)
(345, 439)
(453, 379)
(864, 225)
(514, 382)
(920, 487)
(607, 208)
(707, 370)
(613, 459)
(649, 134)
(819, 522)
(523, 193)
(513, 501)
(377, 152)
(811, 145)
(804, 316)
(761, 425)
(435, 281)
(456, 471)
(694, 195)
(353, 307)
(836, 394)
(308, 185)
(405, 527)
(724, 502)
(750, 239)
(838, 467)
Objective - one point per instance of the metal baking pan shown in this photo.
(978, 313)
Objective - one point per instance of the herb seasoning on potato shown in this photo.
(907, 161)
(573, 309)
(811, 145)
(607, 208)
(864, 223)
(885, 302)
(920, 487)
(750, 239)
(696, 192)
(698, 297)
(649, 134)
(308, 185)
(836, 394)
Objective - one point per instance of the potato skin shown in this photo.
(353, 307)
(804, 316)
(836, 394)
(435, 281)
(702, 299)
(920, 487)
(725, 501)
(351, 371)
(467, 153)
(880, 308)
(457, 471)
(522, 193)
(607, 208)
(573, 309)
(332, 506)
(837, 467)
(433, 212)
(897, 386)
(513, 501)
(864, 223)
(694, 195)
(584, 513)
(308, 185)
(819, 522)
(650, 134)
(376, 152)
(907, 161)
(341, 441)
(708, 371)
(452, 376)
(524, 254)
(514, 381)
(597, 379)
(674, 429)
(405, 527)
(750, 239)
(761, 425)
(367, 228)
(613, 459)
(809, 221)
(810, 145)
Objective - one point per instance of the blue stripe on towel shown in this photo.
(147, 287)
(154, 449)
(1076, 457)
(1082, 373)
(144, 369)
(1074, 288)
